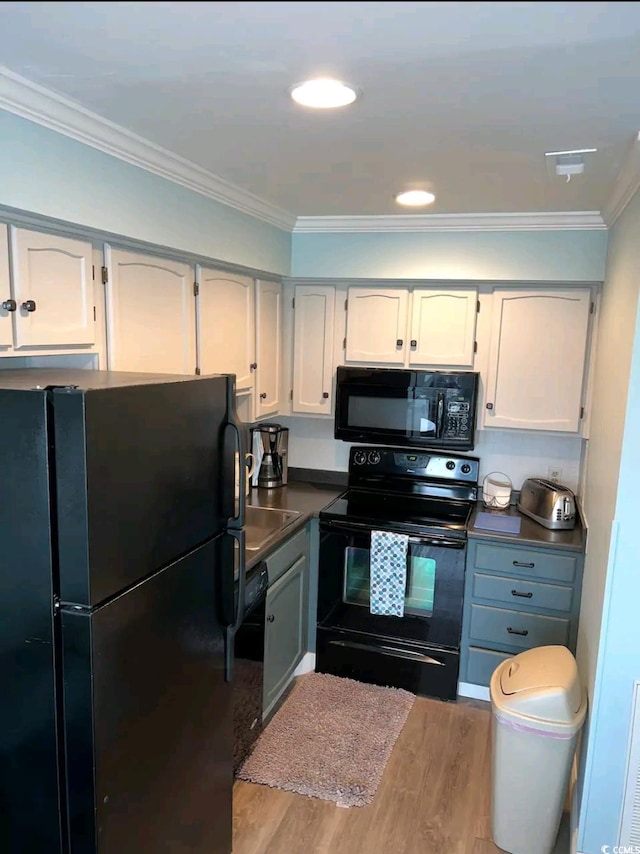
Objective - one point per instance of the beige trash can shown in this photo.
(538, 709)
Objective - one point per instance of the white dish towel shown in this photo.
(388, 572)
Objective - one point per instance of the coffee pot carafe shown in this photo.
(270, 448)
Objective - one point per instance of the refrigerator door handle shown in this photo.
(238, 600)
(233, 488)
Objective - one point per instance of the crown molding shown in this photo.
(626, 184)
(37, 104)
(571, 221)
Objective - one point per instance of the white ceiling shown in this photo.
(462, 98)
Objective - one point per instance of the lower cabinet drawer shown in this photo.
(481, 663)
(539, 564)
(522, 593)
(516, 628)
(279, 561)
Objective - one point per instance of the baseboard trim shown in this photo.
(473, 692)
(307, 664)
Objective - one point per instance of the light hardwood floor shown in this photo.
(434, 797)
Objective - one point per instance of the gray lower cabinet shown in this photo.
(516, 597)
(286, 625)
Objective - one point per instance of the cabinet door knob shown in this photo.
(263, 396)
(399, 342)
(325, 395)
(9, 305)
(270, 618)
(29, 305)
(414, 344)
(489, 405)
(253, 366)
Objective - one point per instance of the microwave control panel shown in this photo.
(456, 422)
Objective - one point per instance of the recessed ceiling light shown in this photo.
(415, 198)
(323, 93)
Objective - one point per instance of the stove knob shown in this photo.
(374, 457)
(450, 465)
(465, 469)
(360, 458)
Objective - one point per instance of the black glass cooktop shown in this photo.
(401, 513)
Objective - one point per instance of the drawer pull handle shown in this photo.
(523, 595)
(523, 632)
(526, 565)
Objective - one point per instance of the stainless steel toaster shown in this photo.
(548, 503)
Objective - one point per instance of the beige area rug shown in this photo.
(330, 739)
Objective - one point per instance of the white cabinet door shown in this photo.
(150, 314)
(376, 325)
(537, 359)
(268, 348)
(53, 289)
(443, 326)
(226, 325)
(313, 349)
(6, 297)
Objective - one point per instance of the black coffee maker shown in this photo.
(271, 447)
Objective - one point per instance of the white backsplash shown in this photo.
(517, 453)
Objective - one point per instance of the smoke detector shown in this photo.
(570, 163)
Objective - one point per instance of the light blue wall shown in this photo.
(491, 255)
(609, 642)
(49, 174)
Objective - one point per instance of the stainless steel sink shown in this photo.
(263, 524)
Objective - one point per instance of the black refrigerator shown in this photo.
(118, 550)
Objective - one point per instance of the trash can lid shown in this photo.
(541, 683)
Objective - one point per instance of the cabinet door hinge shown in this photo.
(293, 303)
(344, 343)
(478, 306)
(346, 303)
(197, 372)
(592, 308)
(105, 275)
(475, 346)
(93, 272)
(582, 412)
(291, 395)
(94, 314)
(196, 289)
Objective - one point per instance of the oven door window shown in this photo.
(421, 580)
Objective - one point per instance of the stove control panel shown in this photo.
(419, 464)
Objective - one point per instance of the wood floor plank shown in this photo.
(434, 797)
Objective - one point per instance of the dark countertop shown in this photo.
(531, 533)
(307, 498)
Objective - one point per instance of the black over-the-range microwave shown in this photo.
(412, 408)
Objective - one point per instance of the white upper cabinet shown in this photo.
(376, 325)
(7, 303)
(226, 325)
(150, 314)
(267, 389)
(406, 327)
(52, 289)
(313, 343)
(443, 327)
(537, 359)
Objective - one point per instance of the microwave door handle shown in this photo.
(440, 415)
